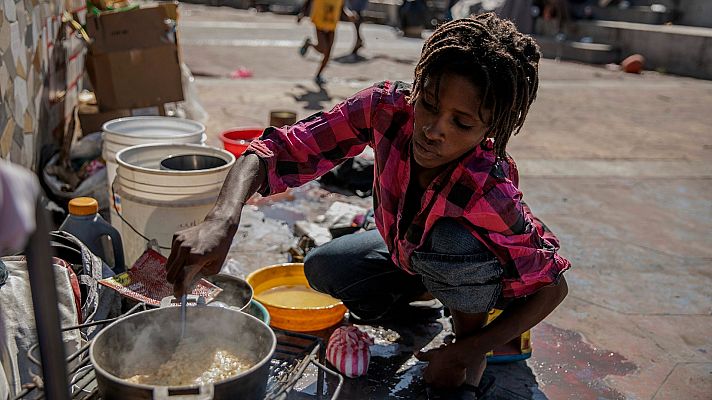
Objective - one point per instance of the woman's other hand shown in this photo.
(442, 370)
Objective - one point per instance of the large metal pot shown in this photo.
(151, 337)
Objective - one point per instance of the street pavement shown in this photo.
(618, 165)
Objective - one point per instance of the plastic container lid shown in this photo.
(81, 206)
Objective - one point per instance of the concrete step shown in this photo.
(383, 11)
(591, 53)
(387, 12)
(682, 50)
(639, 14)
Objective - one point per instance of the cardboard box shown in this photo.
(140, 28)
(136, 78)
(91, 119)
(133, 60)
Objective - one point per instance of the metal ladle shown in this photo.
(184, 300)
(183, 307)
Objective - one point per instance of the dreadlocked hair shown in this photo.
(501, 61)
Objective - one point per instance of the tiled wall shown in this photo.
(41, 67)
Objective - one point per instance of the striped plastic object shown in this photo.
(349, 352)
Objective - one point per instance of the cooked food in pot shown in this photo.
(194, 363)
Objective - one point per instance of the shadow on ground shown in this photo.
(312, 98)
(357, 58)
(394, 373)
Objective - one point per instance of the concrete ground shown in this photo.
(619, 166)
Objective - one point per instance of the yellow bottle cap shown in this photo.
(83, 206)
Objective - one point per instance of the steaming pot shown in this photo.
(151, 336)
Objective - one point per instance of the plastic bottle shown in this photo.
(87, 225)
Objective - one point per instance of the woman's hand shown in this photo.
(201, 249)
(442, 370)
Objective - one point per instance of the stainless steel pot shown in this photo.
(150, 337)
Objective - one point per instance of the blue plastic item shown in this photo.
(85, 223)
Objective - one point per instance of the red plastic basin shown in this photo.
(236, 140)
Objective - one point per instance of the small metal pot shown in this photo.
(150, 337)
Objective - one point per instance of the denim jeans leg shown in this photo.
(457, 269)
(357, 269)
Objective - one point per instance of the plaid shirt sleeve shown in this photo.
(522, 243)
(302, 152)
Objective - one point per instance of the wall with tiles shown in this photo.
(41, 68)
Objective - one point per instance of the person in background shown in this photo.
(450, 218)
(357, 7)
(325, 15)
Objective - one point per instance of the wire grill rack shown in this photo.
(294, 353)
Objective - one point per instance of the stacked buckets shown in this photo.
(161, 178)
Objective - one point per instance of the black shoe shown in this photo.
(401, 310)
(462, 392)
(485, 388)
(305, 47)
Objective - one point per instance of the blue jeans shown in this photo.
(456, 269)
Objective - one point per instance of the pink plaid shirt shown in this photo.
(478, 190)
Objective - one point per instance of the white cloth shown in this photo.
(17, 323)
(4, 386)
(19, 189)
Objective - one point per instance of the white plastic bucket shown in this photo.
(158, 202)
(121, 133)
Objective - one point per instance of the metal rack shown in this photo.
(294, 353)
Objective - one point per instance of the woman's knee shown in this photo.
(315, 268)
(449, 236)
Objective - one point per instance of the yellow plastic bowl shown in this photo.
(287, 313)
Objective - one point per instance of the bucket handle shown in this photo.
(152, 243)
(205, 392)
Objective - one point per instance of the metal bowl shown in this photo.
(236, 292)
(191, 162)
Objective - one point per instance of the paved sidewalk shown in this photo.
(619, 166)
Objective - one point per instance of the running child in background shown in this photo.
(357, 7)
(324, 14)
